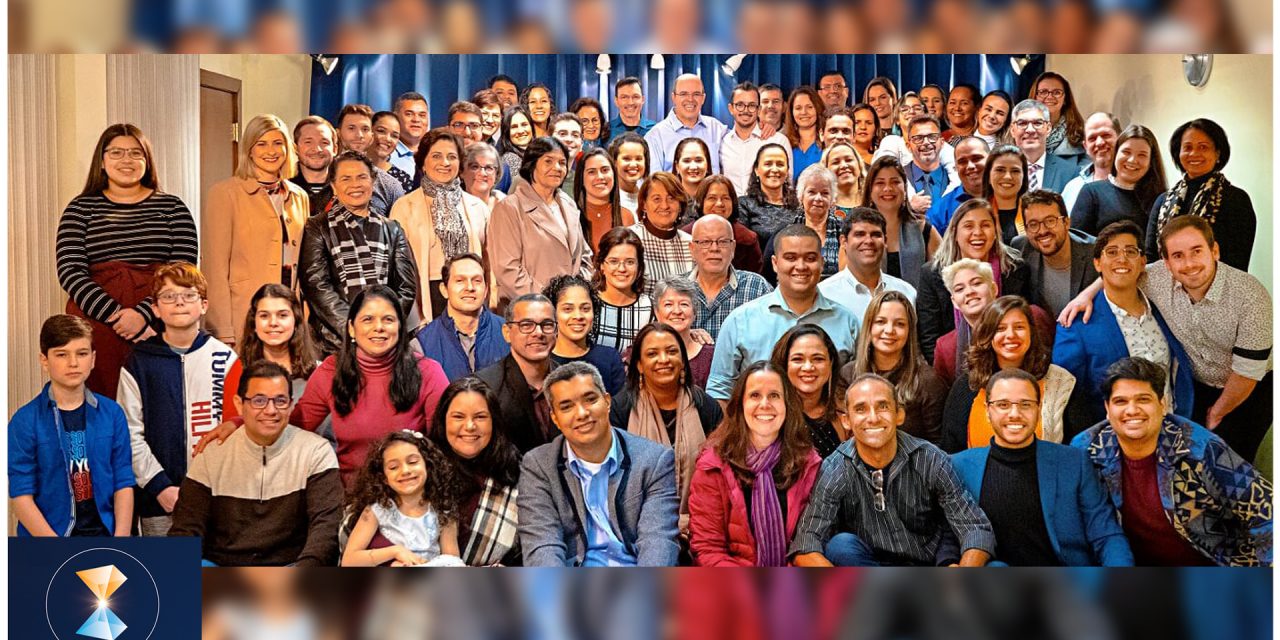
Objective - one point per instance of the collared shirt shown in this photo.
(923, 497)
(751, 331)
(934, 184)
(940, 216)
(402, 159)
(617, 127)
(1035, 174)
(604, 547)
(1228, 331)
(738, 156)
(1143, 337)
(741, 288)
(665, 135)
(845, 289)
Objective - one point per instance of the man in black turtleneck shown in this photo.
(1045, 503)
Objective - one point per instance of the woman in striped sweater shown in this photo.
(110, 239)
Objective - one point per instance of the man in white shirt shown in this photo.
(740, 144)
(864, 246)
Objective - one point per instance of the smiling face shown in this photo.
(717, 256)
(521, 130)
(1197, 153)
(468, 424)
(809, 366)
(630, 100)
(798, 262)
(1014, 426)
(992, 115)
(1133, 159)
(1122, 262)
(414, 119)
(69, 365)
(490, 119)
(620, 267)
(127, 172)
(837, 129)
(316, 146)
(688, 96)
(804, 113)
(1046, 228)
(888, 191)
(1193, 263)
(273, 322)
(506, 91)
(834, 91)
(890, 329)
(660, 364)
(574, 314)
(1012, 339)
(535, 346)
(386, 133)
(873, 415)
(376, 327)
(442, 162)
(468, 126)
(880, 100)
(268, 154)
(597, 178)
(816, 198)
(771, 105)
(1052, 93)
(1029, 130)
(539, 104)
(264, 425)
(843, 161)
(404, 469)
(764, 407)
(865, 245)
(1006, 176)
(910, 107)
(466, 289)
(745, 107)
(864, 128)
(1136, 412)
(718, 201)
(971, 162)
(924, 141)
(356, 132)
(550, 171)
(676, 309)
(631, 166)
(691, 166)
(976, 234)
(480, 174)
(1100, 138)
(591, 122)
(971, 294)
(581, 412)
(773, 168)
(932, 99)
(352, 184)
(961, 109)
(661, 208)
(570, 134)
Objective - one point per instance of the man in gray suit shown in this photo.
(1059, 258)
(595, 495)
(1029, 126)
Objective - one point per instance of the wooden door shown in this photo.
(219, 128)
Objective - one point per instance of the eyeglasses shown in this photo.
(877, 483)
(1050, 93)
(116, 153)
(832, 87)
(170, 297)
(260, 401)
(1050, 224)
(931, 138)
(465, 126)
(1030, 124)
(614, 263)
(746, 107)
(1129, 252)
(721, 243)
(526, 327)
(482, 168)
(1005, 406)
(684, 95)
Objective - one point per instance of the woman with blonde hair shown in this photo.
(851, 176)
(251, 226)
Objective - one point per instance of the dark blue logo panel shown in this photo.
(104, 588)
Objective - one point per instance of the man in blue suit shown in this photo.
(1029, 125)
(1124, 324)
(1045, 502)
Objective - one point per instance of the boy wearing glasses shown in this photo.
(172, 392)
(69, 471)
(269, 474)
(1046, 504)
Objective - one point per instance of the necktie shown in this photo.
(1034, 170)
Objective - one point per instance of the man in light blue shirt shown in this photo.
(750, 332)
(604, 549)
(864, 245)
(685, 120)
(411, 111)
(628, 96)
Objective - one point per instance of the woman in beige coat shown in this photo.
(535, 233)
(440, 219)
(251, 226)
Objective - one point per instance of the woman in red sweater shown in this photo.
(754, 477)
(376, 383)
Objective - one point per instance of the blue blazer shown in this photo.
(1078, 513)
(439, 341)
(1058, 171)
(1086, 350)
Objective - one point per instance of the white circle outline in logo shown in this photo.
(59, 570)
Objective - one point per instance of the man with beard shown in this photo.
(971, 161)
(1100, 132)
(517, 380)
(1058, 261)
(315, 140)
(928, 177)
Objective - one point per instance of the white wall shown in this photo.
(279, 84)
(1150, 90)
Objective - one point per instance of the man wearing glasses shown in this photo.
(1057, 257)
(833, 89)
(467, 121)
(721, 287)
(684, 121)
(517, 380)
(1029, 127)
(739, 146)
(886, 498)
(1045, 502)
(281, 478)
(932, 170)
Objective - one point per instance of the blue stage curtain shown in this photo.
(377, 79)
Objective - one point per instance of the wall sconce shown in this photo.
(1196, 68)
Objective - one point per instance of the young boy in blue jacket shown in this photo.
(70, 471)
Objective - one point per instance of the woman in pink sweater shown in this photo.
(376, 383)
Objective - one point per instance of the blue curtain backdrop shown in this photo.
(377, 79)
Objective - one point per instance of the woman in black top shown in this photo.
(1137, 179)
(1200, 150)
(810, 359)
(1004, 181)
(771, 202)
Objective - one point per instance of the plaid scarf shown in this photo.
(493, 527)
(766, 511)
(446, 215)
(360, 247)
(1205, 203)
(1056, 135)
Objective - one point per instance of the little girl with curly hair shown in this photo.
(406, 498)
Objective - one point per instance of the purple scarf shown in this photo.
(766, 511)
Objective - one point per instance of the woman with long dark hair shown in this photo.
(1137, 179)
(1004, 181)
(810, 359)
(1066, 137)
(513, 138)
(376, 383)
(596, 193)
(771, 202)
(110, 239)
(754, 477)
(661, 403)
(540, 102)
(866, 132)
(275, 331)
(801, 123)
(469, 432)
(692, 165)
(576, 305)
(909, 241)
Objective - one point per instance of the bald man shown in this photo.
(685, 120)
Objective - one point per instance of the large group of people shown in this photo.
(934, 327)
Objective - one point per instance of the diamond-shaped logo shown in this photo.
(102, 623)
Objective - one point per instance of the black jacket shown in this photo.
(515, 403)
(1082, 272)
(933, 301)
(323, 290)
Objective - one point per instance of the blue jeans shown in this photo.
(848, 550)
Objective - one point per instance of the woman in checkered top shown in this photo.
(619, 278)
